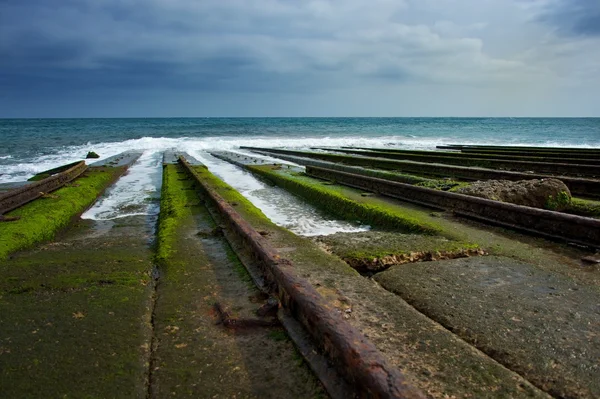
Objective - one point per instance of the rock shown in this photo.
(540, 193)
(92, 154)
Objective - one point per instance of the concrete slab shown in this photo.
(542, 325)
(123, 159)
(171, 157)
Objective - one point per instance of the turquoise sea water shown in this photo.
(32, 145)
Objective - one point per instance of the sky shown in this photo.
(171, 58)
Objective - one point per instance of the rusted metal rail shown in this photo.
(577, 185)
(522, 147)
(355, 357)
(20, 196)
(582, 158)
(556, 225)
(541, 157)
(534, 151)
(555, 168)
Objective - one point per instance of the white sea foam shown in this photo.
(281, 207)
(136, 193)
(25, 168)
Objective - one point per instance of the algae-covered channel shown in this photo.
(182, 280)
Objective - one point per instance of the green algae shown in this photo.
(194, 355)
(443, 184)
(584, 207)
(92, 336)
(233, 197)
(39, 176)
(373, 245)
(172, 205)
(41, 219)
(76, 310)
(330, 199)
(441, 363)
(560, 202)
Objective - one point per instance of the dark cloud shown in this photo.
(574, 17)
(113, 49)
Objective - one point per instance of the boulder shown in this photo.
(540, 193)
(92, 154)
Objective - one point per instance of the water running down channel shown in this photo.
(135, 193)
(283, 208)
(138, 193)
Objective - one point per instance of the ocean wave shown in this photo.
(21, 169)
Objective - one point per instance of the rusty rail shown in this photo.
(521, 147)
(579, 186)
(584, 153)
(20, 196)
(540, 157)
(556, 225)
(357, 359)
(556, 168)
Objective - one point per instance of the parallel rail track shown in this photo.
(22, 195)
(579, 186)
(555, 225)
(356, 358)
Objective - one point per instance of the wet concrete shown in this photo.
(210, 342)
(122, 159)
(74, 314)
(433, 359)
(542, 325)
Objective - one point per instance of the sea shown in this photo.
(29, 146)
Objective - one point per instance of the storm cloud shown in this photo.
(177, 57)
(574, 17)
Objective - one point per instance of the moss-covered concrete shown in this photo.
(337, 201)
(549, 256)
(443, 184)
(372, 251)
(434, 359)
(583, 207)
(75, 312)
(194, 355)
(41, 219)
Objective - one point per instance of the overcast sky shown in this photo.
(110, 58)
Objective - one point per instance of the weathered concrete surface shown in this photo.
(373, 251)
(541, 325)
(435, 360)
(195, 354)
(355, 357)
(572, 228)
(74, 314)
(126, 158)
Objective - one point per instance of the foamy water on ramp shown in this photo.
(283, 208)
(138, 193)
(135, 193)
(15, 168)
